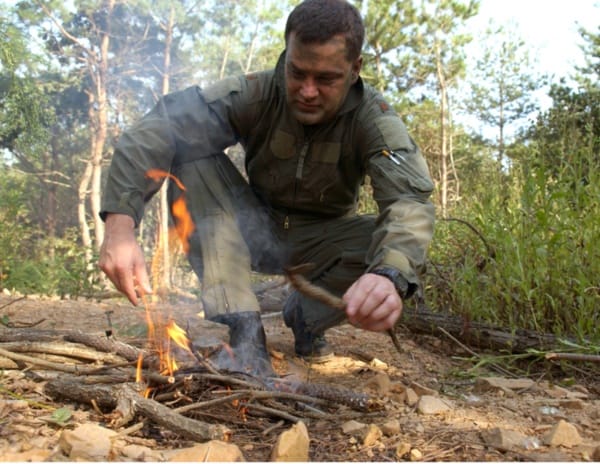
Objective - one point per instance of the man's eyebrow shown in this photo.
(325, 74)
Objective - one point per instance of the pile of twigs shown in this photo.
(197, 402)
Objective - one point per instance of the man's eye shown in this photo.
(326, 80)
(296, 74)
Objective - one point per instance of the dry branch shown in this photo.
(73, 350)
(128, 402)
(107, 345)
(573, 357)
(41, 363)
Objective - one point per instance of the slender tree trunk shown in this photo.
(501, 130)
(82, 194)
(443, 129)
(165, 277)
(248, 65)
(101, 132)
(225, 58)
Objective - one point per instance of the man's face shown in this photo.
(318, 78)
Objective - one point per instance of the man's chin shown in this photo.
(308, 118)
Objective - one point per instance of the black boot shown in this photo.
(312, 347)
(248, 342)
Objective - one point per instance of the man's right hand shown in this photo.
(122, 259)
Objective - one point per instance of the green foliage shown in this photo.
(32, 262)
(537, 264)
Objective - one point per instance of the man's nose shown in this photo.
(309, 89)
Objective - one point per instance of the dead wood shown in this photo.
(96, 341)
(72, 350)
(128, 402)
(105, 344)
(476, 334)
(31, 335)
(42, 363)
(6, 363)
(574, 357)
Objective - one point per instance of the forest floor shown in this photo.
(485, 416)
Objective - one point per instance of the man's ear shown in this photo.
(356, 67)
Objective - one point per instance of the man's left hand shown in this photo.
(372, 303)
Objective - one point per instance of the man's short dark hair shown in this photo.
(317, 21)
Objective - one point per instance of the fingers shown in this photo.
(122, 260)
(372, 303)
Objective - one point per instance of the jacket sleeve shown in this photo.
(183, 126)
(402, 187)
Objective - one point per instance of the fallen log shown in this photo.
(476, 334)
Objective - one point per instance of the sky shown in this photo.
(549, 27)
(550, 31)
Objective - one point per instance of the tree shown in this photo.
(438, 59)
(388, 24)
(502, 84)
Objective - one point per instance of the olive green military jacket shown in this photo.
(317, 174)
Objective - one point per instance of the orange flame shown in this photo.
(159, 174)
(161, 333)
(184, 225)
(138, 369)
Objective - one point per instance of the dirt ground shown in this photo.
(365, 362)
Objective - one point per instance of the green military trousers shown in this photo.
(236, 233)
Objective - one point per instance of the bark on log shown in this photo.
(106, 345)
(476, 334)
(71, 350)
(128, 401)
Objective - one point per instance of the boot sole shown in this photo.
(317, 359)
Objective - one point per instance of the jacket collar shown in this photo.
(353, 99)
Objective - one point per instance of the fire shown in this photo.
(178, 335)
(162, 332)
(184, 225)
(160, 335)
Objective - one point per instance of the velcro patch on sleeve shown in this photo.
(393, 132)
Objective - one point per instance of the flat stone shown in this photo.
(416, 455)
(353, 427)
(33, 455)
(563, 434)
(292, 445)
(556, 392)
(502, 439)
(212, 451)
(411, 397)
(572, 404)
(432, 405)
(596, 455)
(142, 453)
(402, 450)
(391, 428)
(88, 442)
(371, 435)
(381, 382)
(484, 384)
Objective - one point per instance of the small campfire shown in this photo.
(170, 382)
(178, 389)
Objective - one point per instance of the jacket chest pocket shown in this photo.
(293, 172)
(320, 171)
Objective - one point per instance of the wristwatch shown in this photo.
(400, 283)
